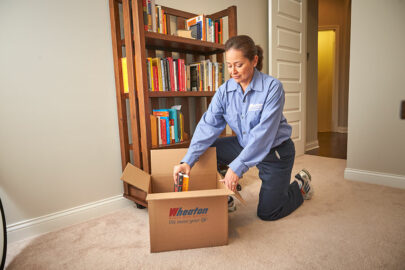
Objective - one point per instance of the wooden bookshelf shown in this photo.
(134, 108)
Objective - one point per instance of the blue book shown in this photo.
(173, 115)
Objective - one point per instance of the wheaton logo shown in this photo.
(173, 212)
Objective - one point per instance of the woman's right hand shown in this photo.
(184, 168)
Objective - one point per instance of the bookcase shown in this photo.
(135, 107)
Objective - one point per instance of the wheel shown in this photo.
(140, 206)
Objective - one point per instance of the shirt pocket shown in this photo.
(253, 118)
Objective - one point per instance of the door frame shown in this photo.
(335, 84)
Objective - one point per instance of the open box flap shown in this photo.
(136, 177)
(189, 194)
(221, 185)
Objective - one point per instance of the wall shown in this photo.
(337, 12)
(59, 140)
(59, 134)
(376, 145)
(312, 76)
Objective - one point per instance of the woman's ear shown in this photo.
(255, 60)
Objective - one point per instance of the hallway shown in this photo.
(331, 144)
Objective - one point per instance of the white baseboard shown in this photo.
(58, 220)
(342, 129)
(311, 145)
(384, 179)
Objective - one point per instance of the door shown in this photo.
(287, 61)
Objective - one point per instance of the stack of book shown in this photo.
(154, 17)
(168, 74)
(167, 127)
(204, 28)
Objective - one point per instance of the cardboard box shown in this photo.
(183, 220)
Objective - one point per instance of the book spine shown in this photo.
(160, 131)
(145, 15)
(180, 182)
(155, 78)
(186, 180)
(153, 13)
(154, 130)
(124, 74)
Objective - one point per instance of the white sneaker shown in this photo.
(307, 189)
(231, 204)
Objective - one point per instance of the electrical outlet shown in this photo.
(402, 116)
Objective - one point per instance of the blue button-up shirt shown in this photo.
(256, 116)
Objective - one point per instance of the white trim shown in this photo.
(312, 145)
(385, 179)
(342, 129)
(58, 220)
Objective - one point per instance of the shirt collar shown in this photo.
(256, 83)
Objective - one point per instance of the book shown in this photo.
(174, 120)
(171, 71)
(153, 15)
(124, 74)
(159, 126)
(154, 130)
(165, 124)
(200, 22)
(181, 118)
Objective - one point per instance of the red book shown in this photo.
(163, 131)
(155, 78)
(180, 74)
(216, 32)
(184, 75)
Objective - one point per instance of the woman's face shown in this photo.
(240, 68)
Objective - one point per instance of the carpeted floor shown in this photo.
(347, 225)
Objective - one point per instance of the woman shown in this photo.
(251, 103)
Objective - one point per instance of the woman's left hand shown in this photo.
(231, 179)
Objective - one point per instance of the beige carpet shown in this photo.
(347, 225)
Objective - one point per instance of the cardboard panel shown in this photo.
(165, 183)
(136, 177)
(189, 194)
(188, 223)
(163, 161)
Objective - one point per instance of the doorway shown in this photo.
(331, 142)
(327, 82)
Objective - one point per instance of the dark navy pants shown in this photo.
(277, 198)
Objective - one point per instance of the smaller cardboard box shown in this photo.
(183, 220)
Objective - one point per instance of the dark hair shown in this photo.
(247, 46)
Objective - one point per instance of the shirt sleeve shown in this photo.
(208, 129)
(262, 136)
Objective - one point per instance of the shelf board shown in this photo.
(174, 145)
(157, 94)
(164, 42)
(161, 94)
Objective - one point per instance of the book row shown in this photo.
(168, 74)
(201, 27)
(167, 127)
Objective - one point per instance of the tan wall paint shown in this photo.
(337, 12)
(376, 133)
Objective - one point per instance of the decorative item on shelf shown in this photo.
(184, 33)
